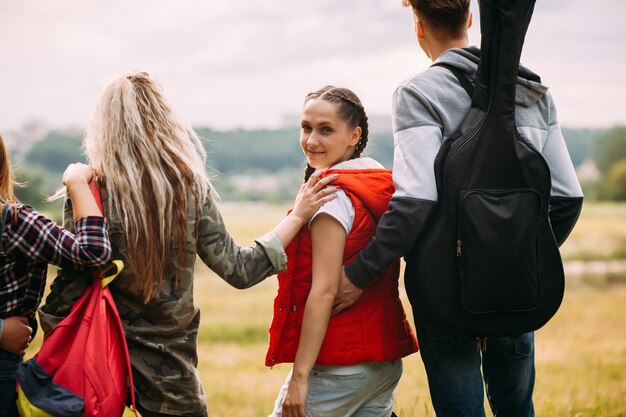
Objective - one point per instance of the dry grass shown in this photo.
(599, 234)
(581, 357)
(581, 353)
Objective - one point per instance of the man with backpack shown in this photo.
(427, 109)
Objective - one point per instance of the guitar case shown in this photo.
(489, 264)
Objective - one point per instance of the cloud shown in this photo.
(229, 63)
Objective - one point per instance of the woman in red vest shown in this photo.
(348, 364)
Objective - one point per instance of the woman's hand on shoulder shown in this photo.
(313, 194)
(77, 173)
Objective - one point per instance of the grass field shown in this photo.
(600, 234)
(580, 354)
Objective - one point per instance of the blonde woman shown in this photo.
(162, 212)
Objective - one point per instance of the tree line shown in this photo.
(268, 164)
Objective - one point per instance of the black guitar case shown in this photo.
(489, 264)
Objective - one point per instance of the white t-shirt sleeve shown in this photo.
(339, 208)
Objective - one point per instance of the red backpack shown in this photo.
(83, 367)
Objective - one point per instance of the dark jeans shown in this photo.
(8, 395)
(453, 367)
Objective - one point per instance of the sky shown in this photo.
(248, 63)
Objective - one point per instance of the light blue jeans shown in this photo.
(362, 390)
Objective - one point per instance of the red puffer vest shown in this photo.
(375, 328)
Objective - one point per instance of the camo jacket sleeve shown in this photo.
(240, 266)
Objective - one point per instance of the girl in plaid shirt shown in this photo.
(29, 243)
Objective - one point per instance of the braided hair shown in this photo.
(350, 110)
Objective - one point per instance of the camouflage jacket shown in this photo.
(162, 334)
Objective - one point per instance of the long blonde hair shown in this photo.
(6, 175)
(150, 160)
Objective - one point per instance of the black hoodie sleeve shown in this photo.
(564, 212)
(396, 232)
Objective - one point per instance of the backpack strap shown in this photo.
(463, 80)
(93, 186)
(5, 215)
(3, 219)
(115, 267)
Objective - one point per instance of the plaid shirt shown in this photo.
(30, 242)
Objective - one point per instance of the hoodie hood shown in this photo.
(367, 180)
(529, 87)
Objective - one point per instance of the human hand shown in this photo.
(15, 335)
(77, 173)
(313, 194)
(295, 398)
(347, 294)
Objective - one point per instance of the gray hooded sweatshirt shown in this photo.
(427, 109)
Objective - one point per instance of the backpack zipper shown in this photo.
(481, 344)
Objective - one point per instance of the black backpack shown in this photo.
(489, 264)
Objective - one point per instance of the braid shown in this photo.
(308, 172)
(364, 125)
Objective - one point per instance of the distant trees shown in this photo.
(268, 164)
(610, 156)
(30, 185)
(56, 152)
(42, 166)
(615, 182)
(237, 151)
(610, 147)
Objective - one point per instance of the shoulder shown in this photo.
(423, 84)
(18, 213)
(364, 162)
(340, 209)
(434, 97)
(339, 203)
(431, 98)
(23, 224)
(539, 112)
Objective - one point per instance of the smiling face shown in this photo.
(325, 137)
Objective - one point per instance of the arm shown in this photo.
(417, 139)
(41, 240)
(564, 212)
(328, 240)
(566, 196)
(396, 233)
(245, 266)
(76, 178)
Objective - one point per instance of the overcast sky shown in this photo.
(248, 63)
